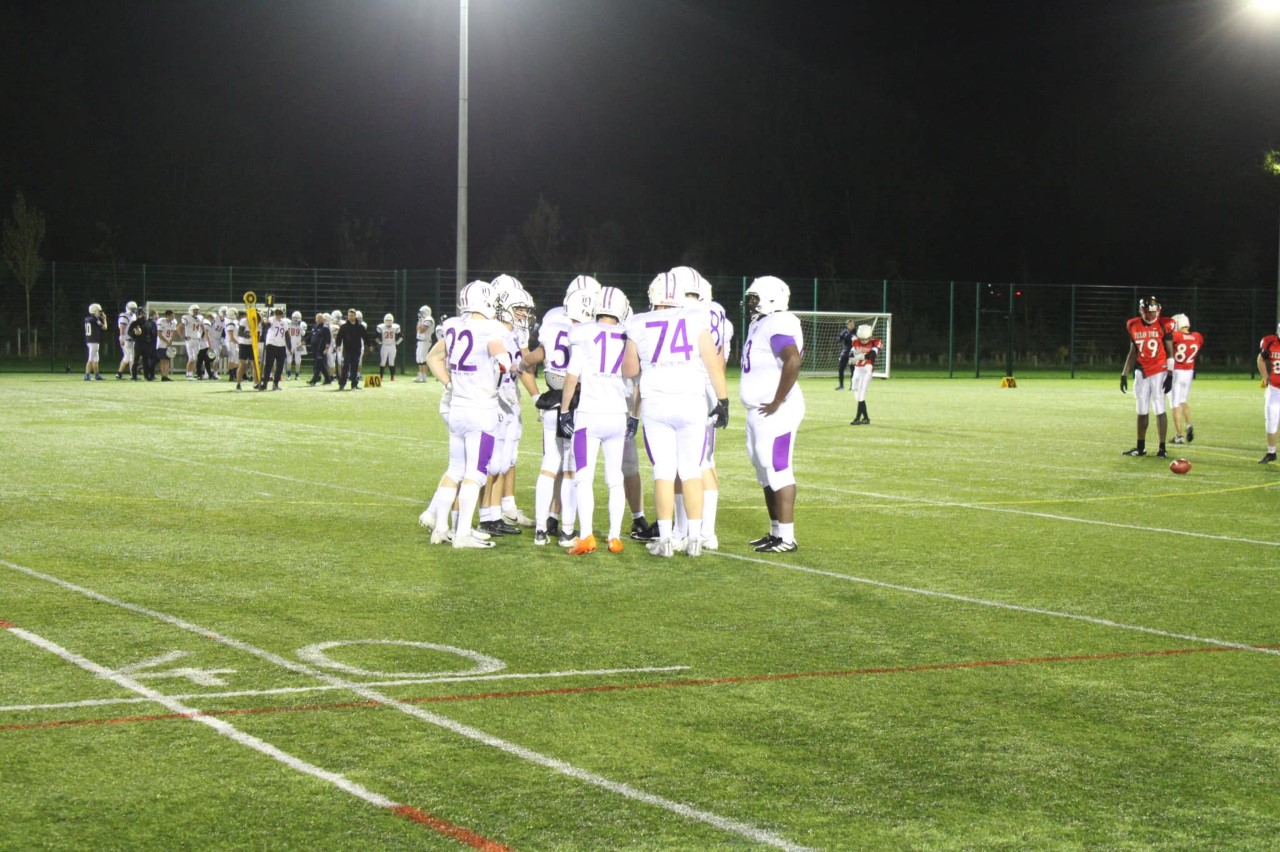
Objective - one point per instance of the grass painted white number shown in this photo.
(203, 677)
(315, 654)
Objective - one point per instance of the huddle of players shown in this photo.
(861, 348)
(607, 369)
(1164, 350)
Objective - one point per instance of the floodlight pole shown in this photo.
(461, 275)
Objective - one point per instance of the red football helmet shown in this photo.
(1149, 308)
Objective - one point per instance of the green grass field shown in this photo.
(997, 632)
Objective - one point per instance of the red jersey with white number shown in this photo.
(1148, 339)
(1269, 348)
(1186, 346)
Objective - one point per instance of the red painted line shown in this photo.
(622, 687)
(4, 625)
(457, 832)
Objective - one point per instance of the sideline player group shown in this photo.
(608, 371)
(1162, 358)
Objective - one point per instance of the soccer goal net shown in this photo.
(822, 340)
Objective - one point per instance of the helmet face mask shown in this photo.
(195, 310)
(1149, 309)
(131, 307)
(388, 319)
(297, 316)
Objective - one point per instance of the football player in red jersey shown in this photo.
(864, 350)
(1186, 347)
(1151, 346)
(1269, 367)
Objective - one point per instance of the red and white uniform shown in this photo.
(1148, 341)
(389, 338)
(1186, 346)
(862, 355)
(1269, 349)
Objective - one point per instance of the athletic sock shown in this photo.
(695, 529)
(543, 490)
(787, 532)
(681, 525)
(774, 527)
(710, 502)
(468, 495)
(664, 530)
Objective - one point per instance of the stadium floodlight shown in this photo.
(1271, 164)
(463, 96)
(1267, 7)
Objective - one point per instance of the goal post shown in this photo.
(822, 340)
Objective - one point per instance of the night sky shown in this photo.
(1032, 140)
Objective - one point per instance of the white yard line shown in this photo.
(1088, 619)
(293, 690)
(726, 824)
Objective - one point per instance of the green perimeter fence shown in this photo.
(949, 328)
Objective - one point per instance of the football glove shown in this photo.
(508, 396)
(722, 413)
(564, 424)
(1124, 383)
(1168, 382)
(533, 337)
(633, 423)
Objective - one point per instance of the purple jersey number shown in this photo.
(680, 344)
(460, 365)
(560, 361)
(746, 358)
(602, 343)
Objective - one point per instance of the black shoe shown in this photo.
(492, 528)
(1267, 459)
(165, 379)
(311, 384)
(119, 376)
(1161, 454)
(553, 527)
(540, 538)
(649, 533)
(764, 540)
(839, 387)
(777, 545)
(1134, 452)
(505, 528)
(1191, 433)
(639, 525)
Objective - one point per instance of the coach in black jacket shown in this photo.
(351, 339)
(319, 339)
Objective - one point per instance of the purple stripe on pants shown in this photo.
(580, 449)
(782, 452)
(486, 452)
(648, 452)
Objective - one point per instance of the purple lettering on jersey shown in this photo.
(781, 341)
(461, 365)
(486, 452)
(580, 448)
(782, 452)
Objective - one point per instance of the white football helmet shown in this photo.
(297, 316)
(514, 305)
(195, 310)
(864, 332)
(767, 295)
(131, 307)
(1181, 322)
(611, 302)
(579, 306)
(505, 284)
(692, 284)
(424, 311)
(336, 317)
(388, 319)
(95, 309)
(359, 316)
(664, 292)
(476, 298)
(582, 282)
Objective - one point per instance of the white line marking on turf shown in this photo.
(226, 729)
(726, 824)
(315, 654)
(294, 690)
(1103, 622)
(977, 507)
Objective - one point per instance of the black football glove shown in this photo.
(1124, 383)
(564, 424)
(722, 413)
(1168, 381)
(633, 423)
(533, 337)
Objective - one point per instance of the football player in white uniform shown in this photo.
(166, 329)
(553, 341)
(336, 320)
(126, 318)
(389, 339)
(425, 331)
(192, 330)
(521, 307)
(671, 345)
(470, 363)
(297, 335)
(230, 343)
(771, 358)
(596, 350)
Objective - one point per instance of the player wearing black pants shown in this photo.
(351, 339)
(276, 343)
(319, 342)
(846, 345)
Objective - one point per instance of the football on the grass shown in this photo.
(1179, 465)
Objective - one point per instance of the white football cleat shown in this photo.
(693, 547)
(427, 519)
(470, 541)
(439, 536)
(519, 519)
(661, 547)
(678, 545)
(710, 542)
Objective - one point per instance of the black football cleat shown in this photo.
(649, 533)
(639, 525)
(1134, 452)
(1267, 459)
(778, 546)
(1161, 454)
(764, 540)
(506, 528)
(553, 527)
(1191, 433)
